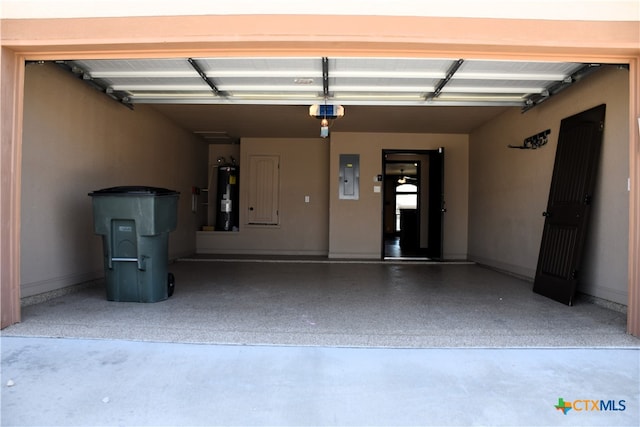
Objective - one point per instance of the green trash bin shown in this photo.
(135, 222)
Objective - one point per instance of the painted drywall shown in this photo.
(77, 140)
(509, 188)
(355, 226)
(303, 227)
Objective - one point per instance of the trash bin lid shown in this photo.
(133, 190)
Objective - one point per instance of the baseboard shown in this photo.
(611, 305)
(500, 267)
(354, 255)
(259, 252)
(55, 283)
(55, 293)
(510, 269)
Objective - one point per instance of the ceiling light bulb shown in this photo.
(402, 179)
(324, 123)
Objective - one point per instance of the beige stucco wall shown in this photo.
(355, 226)
(303, 227)
(509, 187)
(77, 140)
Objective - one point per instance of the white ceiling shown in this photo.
(222, 99)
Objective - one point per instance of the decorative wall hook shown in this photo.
(535, 141)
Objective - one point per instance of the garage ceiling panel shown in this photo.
(348, 80)
(260, 66)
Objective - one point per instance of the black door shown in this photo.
(436, 203)
(570, 198)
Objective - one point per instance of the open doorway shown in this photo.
(413, 204)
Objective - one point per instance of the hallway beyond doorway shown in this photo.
(393, 250)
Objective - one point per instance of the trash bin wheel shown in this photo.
(171, 285)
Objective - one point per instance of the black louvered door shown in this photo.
(570, 198)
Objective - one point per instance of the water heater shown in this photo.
(227, 198)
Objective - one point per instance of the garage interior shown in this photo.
(481, 340)
(91, 124)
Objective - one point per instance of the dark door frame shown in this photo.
(420, 203)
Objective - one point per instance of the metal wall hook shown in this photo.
(535, 141)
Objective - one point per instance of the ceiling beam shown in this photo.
(452, 70)
(202, 74)
(99, 85)
(395, 74)
(325, 77)
(539, 98)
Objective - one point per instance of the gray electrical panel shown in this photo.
(349, 179)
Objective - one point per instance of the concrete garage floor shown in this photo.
(333, 304)
(320, 343)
